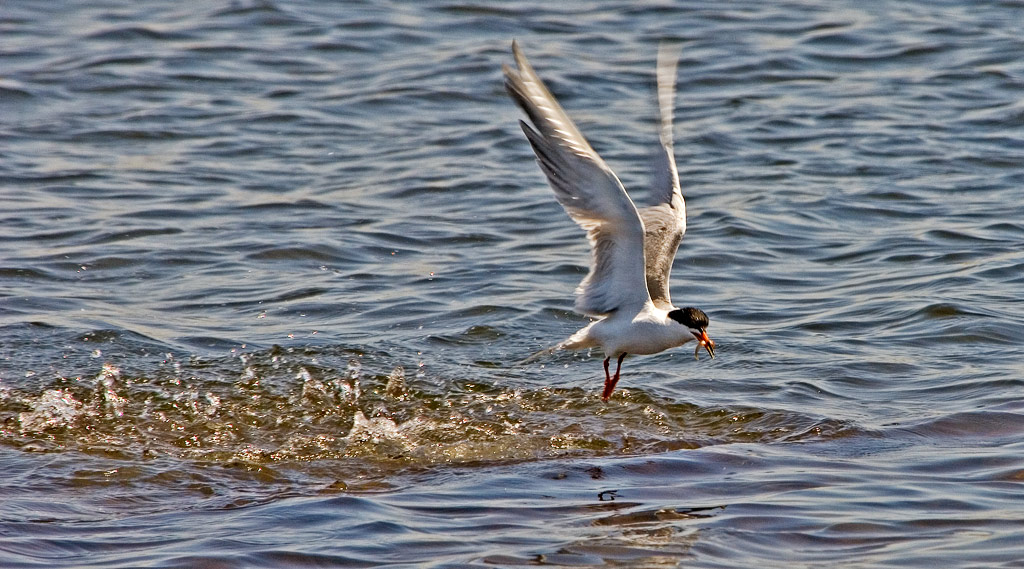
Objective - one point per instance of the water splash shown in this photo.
(53, 408)
(272, 407)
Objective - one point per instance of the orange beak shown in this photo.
(704, 342)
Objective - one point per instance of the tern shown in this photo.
(632, 250)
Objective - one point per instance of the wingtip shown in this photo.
(669, 51)
(527, 129)
(516, 50)
(525, 69)
(667, 76)
(517, 53)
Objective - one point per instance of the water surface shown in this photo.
(267, 269)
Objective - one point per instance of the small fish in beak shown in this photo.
(704, 342)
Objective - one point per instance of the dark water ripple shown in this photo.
(266, 270)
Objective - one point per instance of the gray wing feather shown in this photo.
(589, 191)
(664, 222)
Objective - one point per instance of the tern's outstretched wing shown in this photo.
(664, 222)
(589, 191)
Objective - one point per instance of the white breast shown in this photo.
(647, 332)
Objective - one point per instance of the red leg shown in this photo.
(607, 378)
(609, 382)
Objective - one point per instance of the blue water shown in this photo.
(267, 269)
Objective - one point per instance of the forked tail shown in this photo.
(541, 354)
(578, 341)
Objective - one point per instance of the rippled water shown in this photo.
(267, 269)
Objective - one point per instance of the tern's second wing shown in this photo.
(664, 222)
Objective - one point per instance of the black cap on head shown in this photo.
(693, 318)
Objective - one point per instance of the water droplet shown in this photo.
(396, 383)
(354, 368)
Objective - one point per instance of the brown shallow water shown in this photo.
(266, 270)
